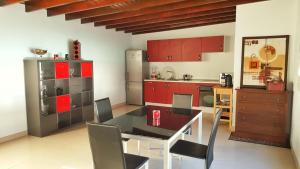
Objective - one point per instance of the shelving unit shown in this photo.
(223, 100)
(59, 93)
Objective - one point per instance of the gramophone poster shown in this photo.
(264, 61)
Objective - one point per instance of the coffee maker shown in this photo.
(225, 80)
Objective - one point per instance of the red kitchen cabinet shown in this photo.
(61, 70)
(152, 50)
(189, 88)
(213, 44)
(191, 49)
(149, 91)
(160, 92)
(63, 103)
(169, 50)
(86, 69)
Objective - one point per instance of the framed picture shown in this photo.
(264, 62)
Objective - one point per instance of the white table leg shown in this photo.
(167, 156)
(200, 129)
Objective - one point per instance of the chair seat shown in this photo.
(125, 139)
(189, 149)
(134, 161)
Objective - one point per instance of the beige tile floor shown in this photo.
(70, 150)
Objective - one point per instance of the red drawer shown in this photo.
(86, 69)
(61, 70)
(63, 103)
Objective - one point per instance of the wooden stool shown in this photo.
(223, 100)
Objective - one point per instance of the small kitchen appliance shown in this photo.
(225, 80)
(187, 77)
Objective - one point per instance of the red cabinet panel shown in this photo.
(160, 92)
(148, 91)
(152, 50)
(189, 88)
(63, 103)
(191, 49)
(61, 70)
(169, 50)
(213, 44)
(86, 69)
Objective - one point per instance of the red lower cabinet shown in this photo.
(63, 103)
(149, 91)
(162, 92)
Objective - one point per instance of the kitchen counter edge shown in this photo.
(185, 81)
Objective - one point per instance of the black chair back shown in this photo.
(212, 138)
(104, 110)
(106, 146)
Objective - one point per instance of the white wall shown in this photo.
(274, 17)
(295, 138)
(213, 63)
(20, 31)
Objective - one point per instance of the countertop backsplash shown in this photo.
(209, 68)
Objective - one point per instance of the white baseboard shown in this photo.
(13, 136)
(295, 158)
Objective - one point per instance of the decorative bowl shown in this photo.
(40, 52)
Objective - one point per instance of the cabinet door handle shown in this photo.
(199, 57)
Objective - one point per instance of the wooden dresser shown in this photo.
(263, 116)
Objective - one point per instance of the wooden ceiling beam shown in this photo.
(43, 4)
(172, 18)
(193, 9)
(167, 14)
(108, 10)
(81, 6)
(9, 2)
(180, 21)
(184, 26)
(153, 10)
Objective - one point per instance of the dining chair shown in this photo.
(104, 113)
(107, 149)
(183, 101)
(195, 150)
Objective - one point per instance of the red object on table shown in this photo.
(156, 114)
(61, 70)
(63, 103)
(86, 69)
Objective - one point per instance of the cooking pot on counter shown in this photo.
(187, 77)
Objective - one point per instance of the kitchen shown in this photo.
(188, 73)
(263, 131)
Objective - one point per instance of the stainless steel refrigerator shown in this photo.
(137, 69)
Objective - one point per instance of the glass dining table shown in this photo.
(156, 124)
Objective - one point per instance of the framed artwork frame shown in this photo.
(264, 62)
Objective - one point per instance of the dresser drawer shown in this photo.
(261, 98)
(259, 124)
(266, 109)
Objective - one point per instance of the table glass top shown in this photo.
(147, 121)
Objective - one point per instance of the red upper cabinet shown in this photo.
(86, 69)
(191, 49)
(152, 50)
(213, 44)
(61, 70)
(169, 50)
(63, 103)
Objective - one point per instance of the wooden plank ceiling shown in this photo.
(139, 16)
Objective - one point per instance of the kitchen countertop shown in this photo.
(185, 81)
